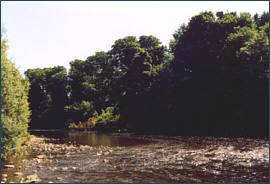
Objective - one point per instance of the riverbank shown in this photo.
(149, 136)
(12, 167)
(130, 158)
(79, 130)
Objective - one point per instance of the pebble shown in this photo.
(33, 181)
(32, 178)
(41, 156)
(17, 173)
(59, 178)
(209, 154)
(4, 175)
(51, 169)
(9, 166)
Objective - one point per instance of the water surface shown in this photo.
(84, 157)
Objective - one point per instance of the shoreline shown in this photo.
(124, 131)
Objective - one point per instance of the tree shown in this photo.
(92, 80)
(76, 78)
(250, 68)
(14, 105)
(213, 80)
(176, 35)
(48, 96)
(261, 20)
(77, 112)
(139, 64)
(122, 53)
(39, 100)
(219, 66)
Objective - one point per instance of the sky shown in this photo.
(52, 33)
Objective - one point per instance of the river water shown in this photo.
(93, 157)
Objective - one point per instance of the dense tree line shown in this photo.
(14, 104)
(223, 64)
(212, 80)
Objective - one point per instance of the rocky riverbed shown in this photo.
(160, 159)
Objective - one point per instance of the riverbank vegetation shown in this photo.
(15, 111)
(212, 80)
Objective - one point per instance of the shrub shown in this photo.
(91, 122)
(107, 118)
(72, 125)
(14, 104)
(12, 136)
(80, 125)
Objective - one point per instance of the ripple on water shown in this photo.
(164, 160)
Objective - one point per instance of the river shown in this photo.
(94, 157)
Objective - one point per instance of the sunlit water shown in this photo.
(83, 157)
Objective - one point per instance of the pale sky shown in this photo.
(47, 34)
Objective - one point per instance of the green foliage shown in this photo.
(106, 119)
(91, 122)
(92, 80)
(262, 19)
(48, 96)
(13, 135)
(257, 46)
(80, 125)
(220, 65)
(80, 111)
(213, 80)
(245, 19)
(250, 47)
(176, 36)
(14, 105)
(72, 125)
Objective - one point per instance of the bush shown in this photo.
(12, 136)
(80, 125)
(72, 125)
(91, 122)
(107, 118)
(14, 105)
(79, 111)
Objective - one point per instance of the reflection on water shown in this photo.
(89, 138)
(83, 157)
(93, 139)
